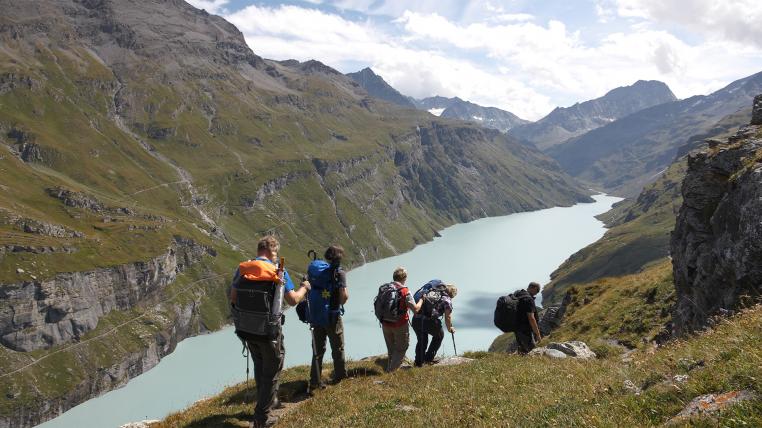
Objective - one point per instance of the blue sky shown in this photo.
(520, 55)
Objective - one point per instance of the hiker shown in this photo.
(436, 301)
(527, 319)
(326, 300)
(256, 296)
(391, 307)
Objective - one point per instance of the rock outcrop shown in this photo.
(756, 112)
(573, 349)
(717, 243)
(40, 314)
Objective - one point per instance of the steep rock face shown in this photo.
(41, 314)
(717, 242)
(185, 323)
(564, 123)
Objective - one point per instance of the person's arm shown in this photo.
(231, 290)
(343, 293)
(293, 297)
(410, 303)
(448, 320)
(535, 327)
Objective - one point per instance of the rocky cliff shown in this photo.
(39, 314)
(717, 243)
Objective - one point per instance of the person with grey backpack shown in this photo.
(391, 306)
(436, 300)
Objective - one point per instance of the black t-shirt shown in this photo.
(526, 305)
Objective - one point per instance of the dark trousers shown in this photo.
(525, 341)
(268, 358)
(335, 334)
(423, 327)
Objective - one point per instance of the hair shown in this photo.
(268, 243)
(451, 290)
(534, 285)
(334, 254)
(400, 274)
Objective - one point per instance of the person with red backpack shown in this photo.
(256, 296)
(391, 307)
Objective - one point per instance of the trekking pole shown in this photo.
(453, 344)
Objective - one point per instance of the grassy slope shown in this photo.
(639, 235)
(509, 390)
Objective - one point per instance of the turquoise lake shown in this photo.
(485, 258)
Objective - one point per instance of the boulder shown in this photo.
(552, 353)
(710, 404)
(574, 349)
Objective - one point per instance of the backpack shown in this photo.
(256, 297)
(323, 308)
(425, 289)
(431, 299)
(507, 311)
(386, 305)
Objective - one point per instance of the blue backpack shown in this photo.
(323, 308)
(426, 288)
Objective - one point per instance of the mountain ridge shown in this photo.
(626, 154)
(564, 123)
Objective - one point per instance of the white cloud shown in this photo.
(519, 62)
(294, 32)
(737, 20)
(212, 6)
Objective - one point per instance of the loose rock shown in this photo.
(574, 349)
(710, 404)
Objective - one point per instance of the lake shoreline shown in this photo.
(183, 340)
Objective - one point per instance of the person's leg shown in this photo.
(437, 335)
(389, 340)
(270, 355)
(260, 415)
(422, 341)
(525, 342)
(400, 344)
(318, 350)
(336, 336)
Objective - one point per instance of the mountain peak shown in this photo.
(564, 123)
(377, 87)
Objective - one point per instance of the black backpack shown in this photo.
(507, 311)
(386, 305)
(256, 303)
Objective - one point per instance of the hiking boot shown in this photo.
(312, 388)
(277, 404)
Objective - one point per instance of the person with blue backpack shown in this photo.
(436, 300)
(326, 301)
